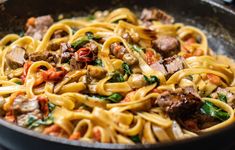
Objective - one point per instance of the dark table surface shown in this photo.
(229, 5)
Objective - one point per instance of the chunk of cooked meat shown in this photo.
(96, 72)
(136, 81)
(169, 65)
(129, 59)
(50, 57)
(66, 47)
(74, 65)
(117, 50)
(179, 104)
(166, 45)
(15, 57)
(92, 46)
(24, 119)
(22, 104)
(198, 121)
(154, 14)
(66, 52)
(53, 47)
(39, 27)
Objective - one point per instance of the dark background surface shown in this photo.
(232, 6)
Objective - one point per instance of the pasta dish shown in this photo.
(115, 77)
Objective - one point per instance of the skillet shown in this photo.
(216, 20)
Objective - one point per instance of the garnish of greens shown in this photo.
(34, 122)
(126, 68)
(115, 97)
(81, 41)
(90, 18)
(152, 80)
(135, 139)
(136, 48)
(19, 82)
(98, 62)
(117, 77)
(210, 109)
(222, 97)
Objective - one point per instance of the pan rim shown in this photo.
(83, 144)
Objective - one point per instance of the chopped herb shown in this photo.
(90, 35)
(98, 62)
(90, 18)
(19, 82)
(152, 80)
(115, 97)
(35, 123)
(190, 77)
(117, 77)
(137, 48)
(31, 119)
(222, 97)
(126, 68)
(212, 110)
(21, 33)
(135, 139)
(80, 42)
(99, 96)
(51, 106)
(74, 31)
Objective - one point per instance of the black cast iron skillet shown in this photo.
(216, 20)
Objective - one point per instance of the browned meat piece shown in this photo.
(50, 57)
(96, 72)
(23, 105)
(148, 15)
(118, 50)
(167, 46)
(169, 65)
(53, 47)
(179, 104)
(15, 57)
(66, 47)
(92, 46)
(40, 27)
(198, 122)
(74, 65)
(24, 119)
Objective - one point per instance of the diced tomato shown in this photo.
(10, 116)
(96, 134)
(75, 136)
(52, 129)
(150, 57)
(157, 90)
(214, 79)
(190, 40)
(31, 21)
(25, 72)
(43, 104)
(53, 75)
(84, 55)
